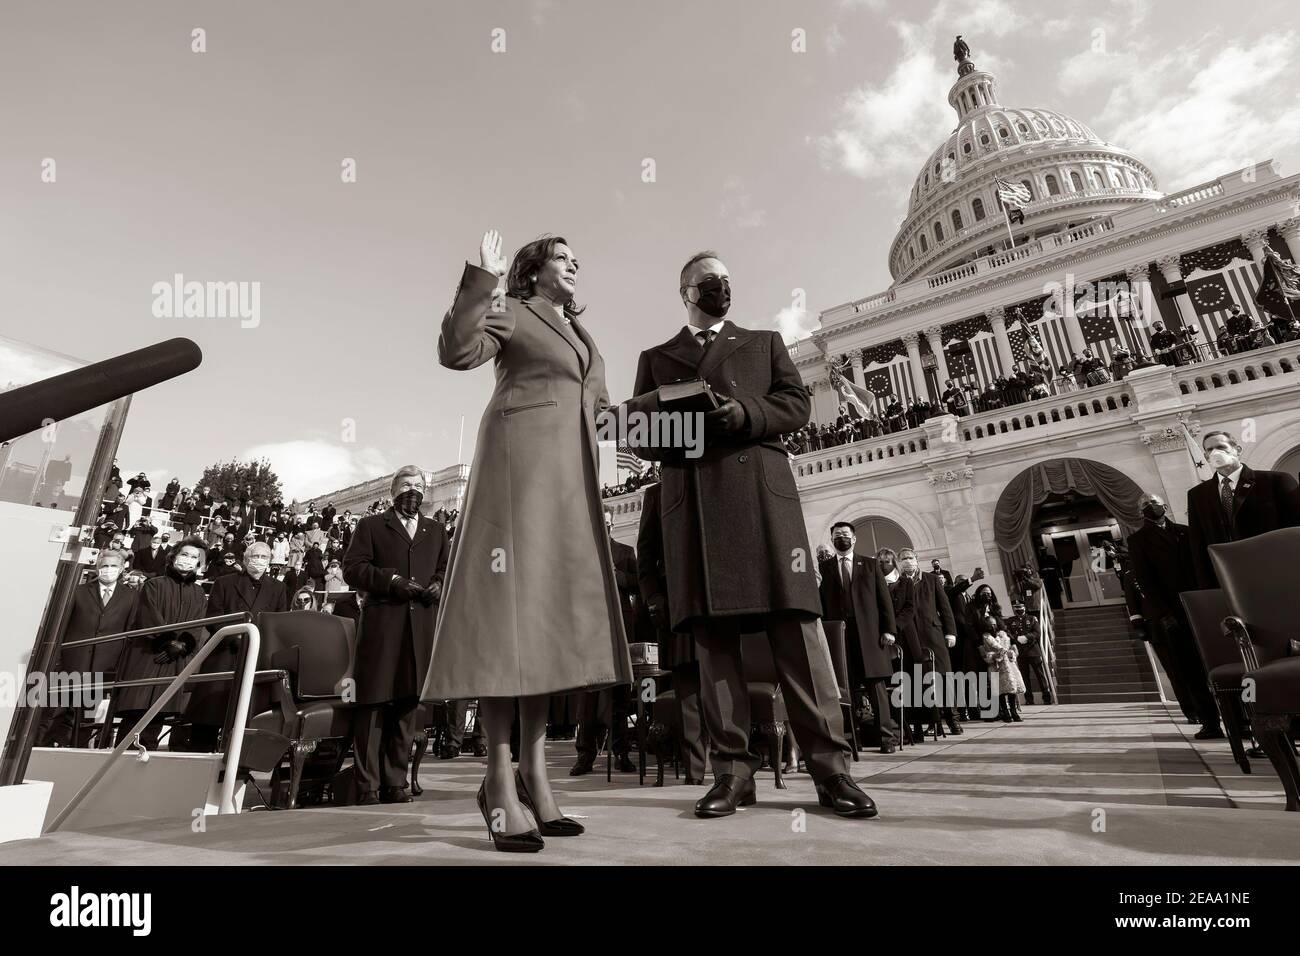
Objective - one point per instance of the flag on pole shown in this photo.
(627, 461)
(1279, 293)
(857, 398)
(1013, 198)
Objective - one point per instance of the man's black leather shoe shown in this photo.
(888, 749)
(368, 799)
(725, 795)
(954, 728)
(624, 765)
(586, 763)
(1209, 732)
(395, 795)
(845, 797)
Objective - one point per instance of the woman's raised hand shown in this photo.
(489, 253)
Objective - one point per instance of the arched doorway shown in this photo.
(874, 533)
(1069, 508)
(1289, 463)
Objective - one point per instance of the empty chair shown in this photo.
(766, 705)
(1205, 613)
(308, 708)
(1254, 574)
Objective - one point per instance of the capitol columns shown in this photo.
(997, 317)
(1255, 240)
(935, 336)
(1289, 229)
(855, 360)
(1171, 267)
(1144, 302)
(913, 343)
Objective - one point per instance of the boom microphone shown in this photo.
(26, 409)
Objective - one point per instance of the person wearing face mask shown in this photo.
(1235, 503)
(731, 521)
(253, 589)
(398, 559)
(933, 631)
(1160, 568)
(169, 598)
(103, 605)
(853, 590)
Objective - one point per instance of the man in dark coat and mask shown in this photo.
(735, 543)
(398, 559)
(254, 589)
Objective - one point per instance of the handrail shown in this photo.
(1046, 641)
(226, 802)
(235, 617)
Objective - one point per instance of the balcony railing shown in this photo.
(1242, 368)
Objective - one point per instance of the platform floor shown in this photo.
(1074, 784)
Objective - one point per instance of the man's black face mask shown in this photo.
(715, 296)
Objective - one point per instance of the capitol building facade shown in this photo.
(1059, 474)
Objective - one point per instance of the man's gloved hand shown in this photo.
(172, 650)
(888, 639)
(727, 419)
(977, 574)
(404, 589)
(951, 639)
(658, 608)
(427, 597)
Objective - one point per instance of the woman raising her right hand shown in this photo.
(530, 607)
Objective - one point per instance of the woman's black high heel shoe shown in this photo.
(529, 842)
(563, 827)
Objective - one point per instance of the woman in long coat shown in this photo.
(531, 607)
(169, 598)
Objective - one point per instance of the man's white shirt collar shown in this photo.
(1232, 478)
(715, 328)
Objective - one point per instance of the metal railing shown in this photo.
(234, 624)
(1047, 642)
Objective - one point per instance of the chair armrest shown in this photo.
(1235, 628)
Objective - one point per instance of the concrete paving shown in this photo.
(1100, 784)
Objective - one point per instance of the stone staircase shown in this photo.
(1099, 659)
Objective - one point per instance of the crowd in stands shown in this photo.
(632, 483)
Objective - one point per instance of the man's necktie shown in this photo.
(705, 337)
(1225, 496)
(845, 576)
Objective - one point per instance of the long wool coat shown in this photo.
(734, 536)
(531, 604)
(395, 637)
(162, 600)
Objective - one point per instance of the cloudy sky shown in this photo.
(784, 134)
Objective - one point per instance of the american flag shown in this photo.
(629, 462)
(1013, 195)
(981, 365)
(889, 379)
(1240, 275)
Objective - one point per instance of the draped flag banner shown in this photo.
(861, 402)
(1241, 278)
(1279, 292)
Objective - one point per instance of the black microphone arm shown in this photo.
(55, 399)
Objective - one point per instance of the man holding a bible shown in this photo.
(736, 551)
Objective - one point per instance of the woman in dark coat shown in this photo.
(169, 598)
(532, 607)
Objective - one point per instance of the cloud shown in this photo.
(795, 323)
(887, 128)
(312, 466)
(1204, 108)
(738, 206)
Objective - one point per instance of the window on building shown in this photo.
(1053, 187)
(1075, 182)
(956, 220)
(925, 246)
(978, 208)
(1028, 185)
(938, 232)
